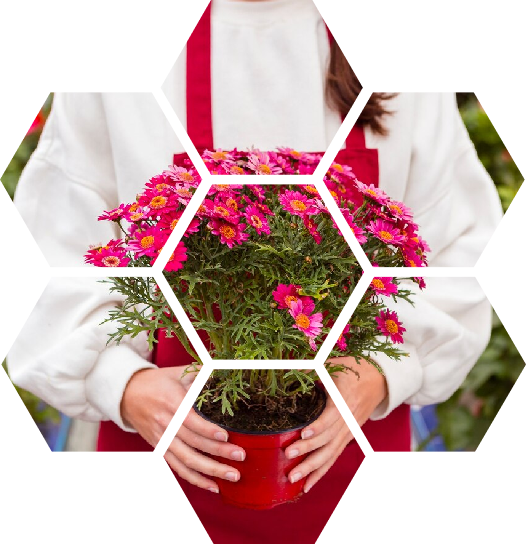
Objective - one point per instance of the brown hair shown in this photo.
(342, 89)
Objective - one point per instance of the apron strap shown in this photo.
(199, 89)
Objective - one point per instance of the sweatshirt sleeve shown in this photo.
(61, 354)
(457, 207)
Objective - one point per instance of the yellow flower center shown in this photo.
(337, 167)
(395, 208)
(289, 299)
(334, 194)
(227, 231)
(391, 326)
(157, 202)
(201, 209)
(222, 211)
(186, 176)
(298, 205)
(236, 170)
(219, 155)
(379, 284)
(147, 242)
(133, 207)
(184, 192)
(232, 204)
(311, 189)
(256, 221)
(302, 321)
(111, 260)
(295, 153)
(384, 235)
(136, 216)
(221, 187)
(412, 263)
(161, 186)
(173, 224)
(264, 169)
(371, 192)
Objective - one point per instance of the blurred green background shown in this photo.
(463, 419)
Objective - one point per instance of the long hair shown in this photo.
(342, 88)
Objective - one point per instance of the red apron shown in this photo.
(303, 521)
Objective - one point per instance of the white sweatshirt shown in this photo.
(268, 66)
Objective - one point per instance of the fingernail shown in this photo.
(231, 476)
(307, 434)
(213, 489)
(238, 455)
(293, 453)
(307, 488)
(223, 437)
(295, 477)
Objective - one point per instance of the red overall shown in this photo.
(302, 521)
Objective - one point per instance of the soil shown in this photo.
(269, 413)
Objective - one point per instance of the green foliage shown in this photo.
(467, 415)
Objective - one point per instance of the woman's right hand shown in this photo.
(148, 405)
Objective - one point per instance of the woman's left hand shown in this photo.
(326, 437)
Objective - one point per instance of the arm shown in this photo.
(61, 353)
(457, 206)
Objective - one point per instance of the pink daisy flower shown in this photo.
(175, 262)
(372, 192)
(111, 255)
(292, 153)
(147, 241)
(312, 227)
(114, 215)
(218, 155)
(262, 165)
(257, 220)
(297, 203)
(229, 233)
(258, 191)
(390, 326)
(309, 324)
(386, 232)
(285, 295)
(399, 210)
(384, 286)
(342, 342)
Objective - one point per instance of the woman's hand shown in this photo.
(326, 437)
(149, 403)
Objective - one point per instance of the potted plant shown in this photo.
(263, 412)
(262, 272)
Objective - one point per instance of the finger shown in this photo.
(315, 476)
(316, 459)
(200, 425)
(190, 475)
(201, 463)
(327, 418)
(301, 447)
(213, 447)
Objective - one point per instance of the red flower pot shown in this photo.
(264, 473)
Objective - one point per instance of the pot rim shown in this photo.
(266, 433)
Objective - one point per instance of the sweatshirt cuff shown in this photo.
(106, 382)
(404, 379)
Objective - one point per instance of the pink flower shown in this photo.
(312, 227)
(390, 326)
(257, 220)
(292, 153)
(310, 324)
(111, 255)
(297, 203)
(148, 241)
(175, 262)
(412, 259)
(399, 210)
(262, 165)
(384, 286)
(229, 233)
(357, 231)
(114, 215)
(372, 192)
(386, 232)
(258, 191)
(219, 155)
(341, 342)
(285, 295)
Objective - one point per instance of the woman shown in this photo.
(274, 81)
